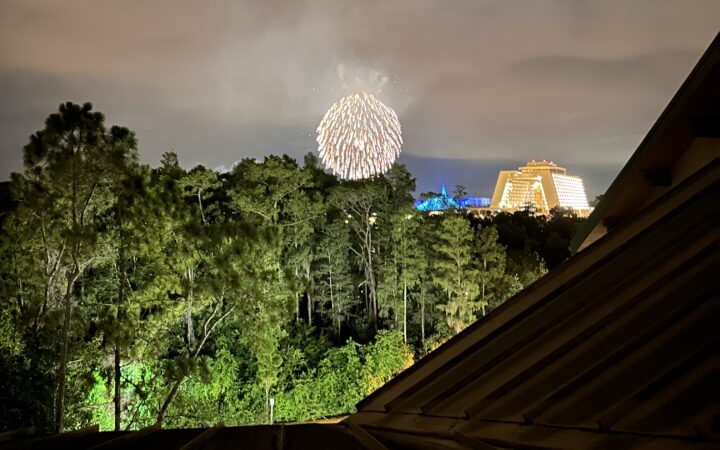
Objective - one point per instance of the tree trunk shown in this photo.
(309, 299)
(183, 375)
(62, 366)
(405, 312)
(371, 283)
(19, 285)
(335, 315)
(297, 301)
(267, 401)
(190, 329)
(168, 399)
(43, 307)
(119, 315)
(309, 308)
(367, 298)
(202, 213)
(422, 314)
(297, 307)
(67, 313)
(483, 286)
(117, 399)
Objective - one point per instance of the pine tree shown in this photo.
(333, 275)
(67, 164)
(361, 201)
(455, 272)
(405, 264)
(126, 182)
(490, 257)
(273, 194)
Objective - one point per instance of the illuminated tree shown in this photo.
(455, 272)
(172, 291)
(274, 194)
(66, 164)
(123, 231)
(490, 258)
(404, 265)
(361, 201)
(334, 282)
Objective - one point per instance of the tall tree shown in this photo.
(67, 161)
(263, 189)
(455, 272)
(406, 262)
(302, 218)
(334, 279)
(490, 259)
(560, 227)
(526, 265)
(126, 182)
(402, 186)
(30, 289)
(198, 272)
(459, 191)
(273, 193)
(426, 297)
(200, 183)
(360, 201)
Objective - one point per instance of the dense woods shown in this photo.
(133, 295)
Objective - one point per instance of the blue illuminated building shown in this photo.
(444, 201)
(474, 202)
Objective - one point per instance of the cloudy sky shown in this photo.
(478, 85)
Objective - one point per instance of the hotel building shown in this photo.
(540, 186)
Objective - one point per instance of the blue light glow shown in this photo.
(444, 201)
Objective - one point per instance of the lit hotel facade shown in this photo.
(541, 186)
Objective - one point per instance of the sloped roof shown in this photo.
(280, 437)
(617, 347)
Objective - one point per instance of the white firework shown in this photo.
(359, 137)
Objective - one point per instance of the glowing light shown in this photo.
(570, 191)
(542, 185)
(359, 137)
(444, 201)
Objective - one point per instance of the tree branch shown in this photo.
(197, 351)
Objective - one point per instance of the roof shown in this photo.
(280, 437)
(615, 348)
(693, 112)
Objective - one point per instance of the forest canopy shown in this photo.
(134, 295)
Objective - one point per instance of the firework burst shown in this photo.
(359, 137)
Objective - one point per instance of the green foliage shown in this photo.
(344, 376)
(490, 260)
(333, 286)
(526, 233)
(131, 296)
(456, 273)
(404, 266)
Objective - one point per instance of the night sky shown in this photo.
(478, 85)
